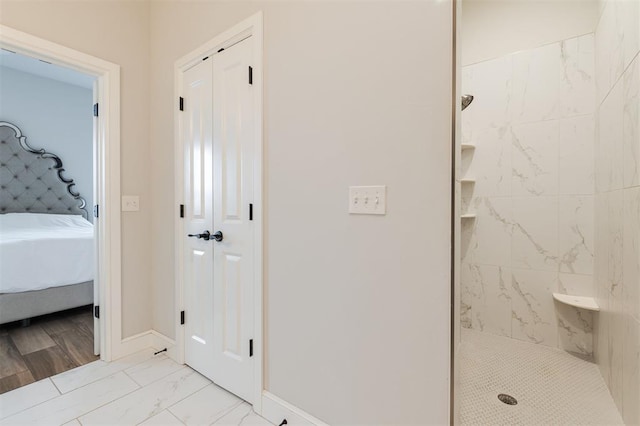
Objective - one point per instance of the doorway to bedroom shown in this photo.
(47, 238)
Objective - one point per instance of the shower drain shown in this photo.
(507, 399)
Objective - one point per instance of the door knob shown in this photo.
(217, 236)
(205, 235)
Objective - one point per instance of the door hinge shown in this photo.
(95, 110)
(96, 211)
(181, 317)
(250, 75)
(181, 210)
(181, 103)
(250, 211)
(250, 347)
(96, 311)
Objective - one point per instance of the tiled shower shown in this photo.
(550, 200)
(531, 187)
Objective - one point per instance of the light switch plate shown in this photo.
(368, 199)
(130, 203)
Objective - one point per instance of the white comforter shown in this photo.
(39, 251)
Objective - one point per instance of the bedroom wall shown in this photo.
(55, 116)
(117, 31)
(356, 93)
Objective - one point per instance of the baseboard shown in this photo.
(276, 410)
(132, 344)
(144, 340)
(159, 341)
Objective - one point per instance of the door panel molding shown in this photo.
(197, 137)
(252, 29)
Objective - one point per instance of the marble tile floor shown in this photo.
(552, 387)
(142, 388)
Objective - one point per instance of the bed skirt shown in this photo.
(29, 304)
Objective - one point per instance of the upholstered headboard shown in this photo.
(31, 180)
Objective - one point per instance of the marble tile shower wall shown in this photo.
(532, 122)
(617, 203)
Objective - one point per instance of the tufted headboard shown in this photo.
(31, 180)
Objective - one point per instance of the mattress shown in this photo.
(39, 251)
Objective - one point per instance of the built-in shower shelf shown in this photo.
(583, 302)
(468, 180)
(466, 146)
(468, 216)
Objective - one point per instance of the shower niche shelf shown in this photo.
(583, 302)
(466, 146)
(468, 216)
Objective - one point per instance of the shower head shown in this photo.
(466, 101)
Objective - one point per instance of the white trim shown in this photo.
(108, 177)
(148, 339)
(159, 341)
(275, 410)
(135, 343)
(250, 27)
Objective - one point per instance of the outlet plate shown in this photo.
(130, 203)
(368, 200)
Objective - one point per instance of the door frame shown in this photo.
(250, 27)
(107, 146)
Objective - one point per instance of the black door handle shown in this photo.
(217, 236)
(205, 235)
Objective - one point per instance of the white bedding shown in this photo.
(39, 251)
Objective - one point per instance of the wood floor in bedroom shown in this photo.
(50, 345)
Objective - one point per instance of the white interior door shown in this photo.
(233, 146)
(217, 128)
(197, 129)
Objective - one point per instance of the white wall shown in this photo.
(356, 93)
(617, 218)
(357, 307)
(532, 123)
(494, 28)
(55, 116)
(117, 31)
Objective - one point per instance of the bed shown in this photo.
(46, 241)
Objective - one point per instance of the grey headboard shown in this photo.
(31, 180)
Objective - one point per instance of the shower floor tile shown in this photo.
(552, 387)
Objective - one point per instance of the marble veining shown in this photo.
(535, 158)
(576, 235)
(575, 328)
(617, 204)
(69, 406)
(577, 94)
(529, 309)
(148, 401)
(88, 373)
(576, 171)
(182, 397)
(533, 124)
(243, 415)
(631, 124)
(206, 406)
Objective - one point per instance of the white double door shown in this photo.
(218, 137)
